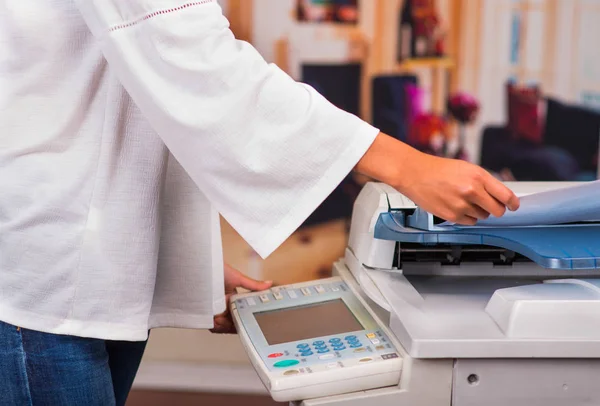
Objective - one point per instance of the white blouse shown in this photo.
(126, 127)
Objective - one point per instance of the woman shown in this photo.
(126, 127)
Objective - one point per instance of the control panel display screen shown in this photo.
(307, 322)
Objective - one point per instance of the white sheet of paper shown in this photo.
(579, 203)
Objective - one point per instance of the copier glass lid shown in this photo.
(570, 246)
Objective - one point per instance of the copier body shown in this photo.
(484, 317)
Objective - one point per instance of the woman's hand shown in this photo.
(223, 323)
(457, 191)
(454, 190)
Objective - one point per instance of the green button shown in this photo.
(286, 363)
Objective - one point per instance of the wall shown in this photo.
(272, 20)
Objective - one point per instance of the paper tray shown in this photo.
(553, 247)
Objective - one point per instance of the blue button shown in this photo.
(319, 342)
(339, 347)
(335, 340)
(306, 353)
(356, 345)
(303, 345)
(323, 351)
(350, 338)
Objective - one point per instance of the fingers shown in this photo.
(236, 279)
(468, 210)
(476, 212)
(489, 205)
(466, 221)
(254, 285)
(500, 192)
(468, 207)
(223, 324)
(464, 214)
(486, 197)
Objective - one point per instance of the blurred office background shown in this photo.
(512, 85)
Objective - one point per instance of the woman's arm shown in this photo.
(264, 149)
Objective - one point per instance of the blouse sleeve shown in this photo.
(264, 149)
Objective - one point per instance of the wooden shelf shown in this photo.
(426, 63)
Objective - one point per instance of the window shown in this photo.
(513, 45)
(550, 43)
(528, 40)
(515, 40)
(586, 78)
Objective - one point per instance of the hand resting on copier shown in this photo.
(454, 190)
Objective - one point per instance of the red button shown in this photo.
(276, 355)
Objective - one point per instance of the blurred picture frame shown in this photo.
(328, 11)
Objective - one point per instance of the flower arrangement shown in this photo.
(428, 133)
(463, 108)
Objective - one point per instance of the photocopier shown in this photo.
(499, 314)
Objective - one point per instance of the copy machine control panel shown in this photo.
(315, 339)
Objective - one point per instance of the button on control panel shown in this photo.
(277, 294)
(345, 347)
(339, 351)
(286, 363)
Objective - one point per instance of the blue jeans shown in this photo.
(46, 369)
